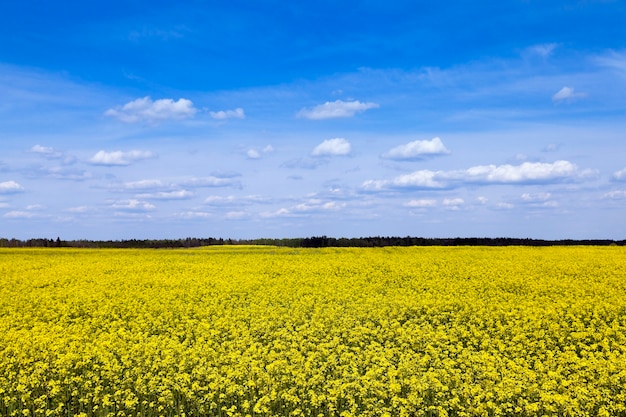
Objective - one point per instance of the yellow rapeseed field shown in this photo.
(266, 331)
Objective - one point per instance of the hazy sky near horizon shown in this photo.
(154, 119)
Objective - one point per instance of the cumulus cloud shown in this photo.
(336, 109)
(9, 187)
(132, 205)
(120, 158)
(620, 175)
(254, 153)
(146, 110)
(453, 203)
(46, 151)
(333, 147)
(418, 179)
(167, 195)
(526, 173)
(421, 203)
(418, 149)
(282, 212)
(567, 94)
(318, 205)
(238, 113)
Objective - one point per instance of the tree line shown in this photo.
(307, 242)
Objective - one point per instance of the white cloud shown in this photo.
(333, 147)
(567, 94)
(78, 209)
(238, 113)
(544, 50)
(132, 205)
(146, 110)
(167, 195)
(535, 197)
(253, 154)
(19, 214)
(620, 175)
(8, 187)
(453, 203)
(615, 195)
(145, 185)
(417, 149)
(614, 60)
(47, 151)
(119, 157)
(318, 205)
(421, 203)
(336, 109)
(283, 212)
(417, 179)
(211, 181)
(526, 173)
(505, 206)
(63, 173)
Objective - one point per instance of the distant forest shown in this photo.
(308, 242)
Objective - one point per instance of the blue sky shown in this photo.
(137, 119)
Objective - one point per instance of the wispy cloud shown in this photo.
(220, 201)
(418, 149)
(336, 109)
(146, 110)
(238, 113)
(120, 158)
(526, 173)
(615, 195)
(613, 59)
(332, 147)
(304, 163)
(211, 181)
(543, 50)
(567, 94)
(61, 173)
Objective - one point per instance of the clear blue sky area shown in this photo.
(137, 119)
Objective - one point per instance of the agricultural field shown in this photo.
(267, 331)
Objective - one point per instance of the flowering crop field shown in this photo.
(266, 331)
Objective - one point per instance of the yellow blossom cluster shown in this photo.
(267, 331)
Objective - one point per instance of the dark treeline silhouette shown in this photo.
(309, 242)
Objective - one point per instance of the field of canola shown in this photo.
(265, 331)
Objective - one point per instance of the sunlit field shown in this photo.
(266, 331)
